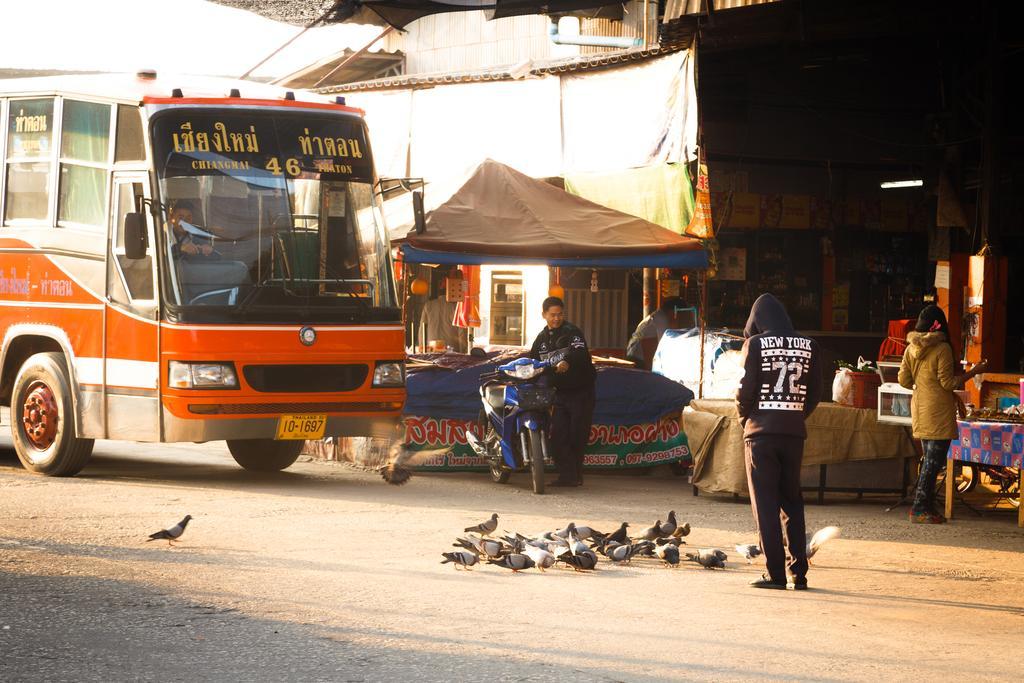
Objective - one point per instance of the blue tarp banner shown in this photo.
(624, 396)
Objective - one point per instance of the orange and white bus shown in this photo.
(190, 260)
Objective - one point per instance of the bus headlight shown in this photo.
(201, 375)
(389, 373)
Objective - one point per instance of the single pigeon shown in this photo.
(173, 534)
(708, 558)
(644, 548)
(671, 540)
(668, 553)
(651, 532)
(681, 531)
(620, 554)
(564, 533)
(484, 528)
(669, 527)
(582, 562)
(401, 458)
(619, 535)
(487, 547)
(541, 558)
(819, 539)
(749, 551)
(460, 558)
(514, 561)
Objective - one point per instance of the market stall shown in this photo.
(999, 444)
(501, 216)
(836, 435)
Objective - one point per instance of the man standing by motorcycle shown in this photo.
(562, 344)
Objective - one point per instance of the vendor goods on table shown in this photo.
(1011, 415)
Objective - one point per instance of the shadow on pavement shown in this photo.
(91, 629)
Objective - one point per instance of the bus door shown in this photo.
(131, 332)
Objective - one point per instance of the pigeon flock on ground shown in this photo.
(581, 547)
(569, 546)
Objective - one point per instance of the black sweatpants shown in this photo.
(773, 475)
(570, 431)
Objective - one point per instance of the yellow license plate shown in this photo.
(301, 427)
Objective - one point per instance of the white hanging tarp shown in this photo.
(456, 127)
(642, 115)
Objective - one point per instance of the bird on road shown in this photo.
(543, 559)
(651, 532)
(564, 533)
(667, 553)
(460, 558)
(172, 534)
(484, 528)
(619, 535)
(621, 554)
(583, 532)
(820, 537)
(708, 558)
(682, 531)
(402, 458)
(669, 527)
(488, 547)
(749, 551)
(581, 562)
(644, 548)
(514, 561)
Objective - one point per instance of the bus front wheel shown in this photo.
(265, 455)
(42, 418)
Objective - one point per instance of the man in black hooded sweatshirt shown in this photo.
(781, 386)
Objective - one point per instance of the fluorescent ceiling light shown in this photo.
(893, 184)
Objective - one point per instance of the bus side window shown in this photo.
(29, 165)
(129, 145)
(85, 160)
(138, 273)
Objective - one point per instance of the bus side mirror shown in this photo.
(417, 211)
(135, 236)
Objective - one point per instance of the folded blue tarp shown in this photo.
(624, 396)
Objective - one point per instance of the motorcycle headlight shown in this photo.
(389, 374)
(526, 371)
(182, 375)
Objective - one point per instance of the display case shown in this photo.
(894, 403)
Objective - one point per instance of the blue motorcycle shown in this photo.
(516, 411)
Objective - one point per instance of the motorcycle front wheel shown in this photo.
(499, 473)
(533, 449)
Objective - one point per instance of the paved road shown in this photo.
(325, 573)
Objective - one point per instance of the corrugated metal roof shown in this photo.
(675, 9)
(506, 72)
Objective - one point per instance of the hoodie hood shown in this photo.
(920, 343)
(767, 315)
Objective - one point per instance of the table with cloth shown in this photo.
(986, 443)
(835, 434)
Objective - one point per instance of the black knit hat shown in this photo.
(932, 319)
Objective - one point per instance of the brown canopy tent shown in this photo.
(501, 216)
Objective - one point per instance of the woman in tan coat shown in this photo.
(929, 369)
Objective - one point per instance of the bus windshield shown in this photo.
(270, 216)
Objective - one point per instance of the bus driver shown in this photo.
(186, 242)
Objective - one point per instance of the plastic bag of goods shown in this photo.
(842, 387)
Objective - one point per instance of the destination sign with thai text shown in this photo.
(286, 146)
